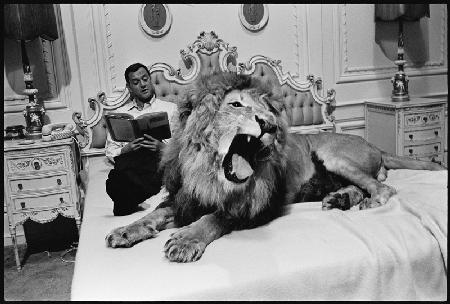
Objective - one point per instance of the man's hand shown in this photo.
(132, 145)
(151, 143)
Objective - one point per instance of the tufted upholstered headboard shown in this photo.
(306, 109)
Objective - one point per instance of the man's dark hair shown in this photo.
(133, 68)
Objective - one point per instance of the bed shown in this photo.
(394, 252)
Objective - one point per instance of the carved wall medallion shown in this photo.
(254, 17)
(155, 19)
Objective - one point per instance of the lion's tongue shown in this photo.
(241, 167)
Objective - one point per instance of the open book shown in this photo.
(123, 127)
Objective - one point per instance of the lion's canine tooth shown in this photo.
(248, 138)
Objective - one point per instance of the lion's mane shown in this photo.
(191, 162)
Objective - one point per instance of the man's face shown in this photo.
(140, 85)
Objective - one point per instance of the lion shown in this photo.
(232, 164)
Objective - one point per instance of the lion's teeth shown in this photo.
(248, 138)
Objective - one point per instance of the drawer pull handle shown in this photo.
(20, 186)
(436, 133)
(410, 151)
(434, 160)
(436, 148)
(410, 136)
(425, 119)
(61, 200)
(22, 204)
(37, 165)
(58, 181)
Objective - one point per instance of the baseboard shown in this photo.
(7, 240)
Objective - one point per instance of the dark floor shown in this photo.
(44, 275)
(47, 262)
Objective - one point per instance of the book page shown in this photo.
(155, 124)
(121, 129)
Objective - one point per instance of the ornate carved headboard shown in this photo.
(306, 109)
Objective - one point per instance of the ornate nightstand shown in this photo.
(415, 128)
(40, 182)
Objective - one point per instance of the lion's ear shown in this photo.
(274, 105)
(185, 106)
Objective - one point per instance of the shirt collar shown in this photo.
(133, 104)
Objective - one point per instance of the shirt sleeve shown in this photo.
(112, 148)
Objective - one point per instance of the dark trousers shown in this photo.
(134, 179)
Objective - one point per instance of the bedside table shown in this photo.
(40, 182)
(414, 128)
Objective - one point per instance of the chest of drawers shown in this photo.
(415, 128)
(40, 182)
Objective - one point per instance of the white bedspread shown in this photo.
(394, 252)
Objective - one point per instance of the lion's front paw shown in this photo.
(183, 248)
(369, 203)
(380, 199)
(336, 200)
(129, 235)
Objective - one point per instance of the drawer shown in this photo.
(37, 163)
(437, 158)
(38, 183)
(423, 119)
(423, 135)
(422, 149)
(49, 200)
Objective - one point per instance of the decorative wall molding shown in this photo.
(94, 46)
(296, 38)
(55, 59)
(110, 50)
(300, 14)
(346, 73)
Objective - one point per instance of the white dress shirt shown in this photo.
(114, 148)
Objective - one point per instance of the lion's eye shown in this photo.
(236, 104)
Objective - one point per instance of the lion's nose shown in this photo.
(266, 127)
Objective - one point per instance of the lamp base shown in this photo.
(400, 86)
(400, 98)
(34, 118)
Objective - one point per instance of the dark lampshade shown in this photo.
(405, 12)
(29, 21)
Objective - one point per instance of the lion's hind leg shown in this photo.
(142, 229)
(343, 199)
(379, 192)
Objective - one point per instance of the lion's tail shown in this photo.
(391, 161)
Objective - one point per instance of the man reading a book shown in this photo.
(135, 176)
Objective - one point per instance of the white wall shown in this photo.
(334, 41)
(360, 69)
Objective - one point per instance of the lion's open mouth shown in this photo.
(240, 161)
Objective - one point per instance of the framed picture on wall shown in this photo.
(155, 19)
(253, 16)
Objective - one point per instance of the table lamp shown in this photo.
(26, 22)
(400, 13)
